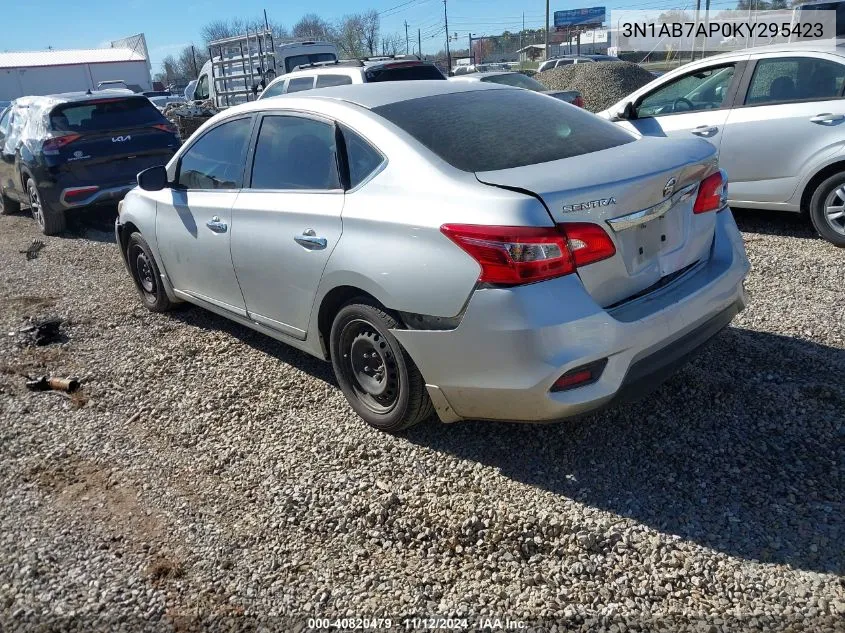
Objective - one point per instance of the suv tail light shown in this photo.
(53, 144)
(578, 101)
(712, 193)
(523, 254)
(166, 127)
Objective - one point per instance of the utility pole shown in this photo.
(520, 39)
(194, 57)
(419, 43)
(546, 52)
(406, 37)
(706, 23)
(448, 54)
(695, 37)
(471, 54)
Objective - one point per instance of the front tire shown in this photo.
(50, 221)
(377, 376)
(827, 209)
(146, 275)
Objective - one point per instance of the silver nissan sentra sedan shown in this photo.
(473, 250)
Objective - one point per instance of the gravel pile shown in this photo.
(601, 83)
(206, 476)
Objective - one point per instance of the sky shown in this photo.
(169, 25)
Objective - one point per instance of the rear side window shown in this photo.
(325, 81)
(216, 160)
(477, 131)
(300, 83)
(411, 72)
(295, 153)
(104, 115)
(362, 157)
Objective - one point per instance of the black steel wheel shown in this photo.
(377, 376)
(146, 275)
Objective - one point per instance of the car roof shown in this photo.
(836, 47)
(374, 95)
(68, 97)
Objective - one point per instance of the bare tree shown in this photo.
(314, 27)
(350, 37)
(393, 44)
(370, 24)
(219, 29)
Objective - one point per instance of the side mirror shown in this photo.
(153, 178)
(627, 113)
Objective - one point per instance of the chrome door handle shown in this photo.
(827, 117)
(216, 225)
(705, 130)
(309, 240)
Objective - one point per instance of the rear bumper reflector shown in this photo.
(580, 376)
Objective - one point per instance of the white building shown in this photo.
(50, 72)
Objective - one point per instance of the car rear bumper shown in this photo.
(514, 343)
(103, 195)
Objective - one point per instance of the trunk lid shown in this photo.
(656, 176)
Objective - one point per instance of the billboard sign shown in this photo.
(580, 18)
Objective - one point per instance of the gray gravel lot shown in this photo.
(207, 476)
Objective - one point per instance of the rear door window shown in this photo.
(785, 79)
(477, 131)
(105, 115)
(300, 83)
(325, 81)
(295, 153)
(216, 160)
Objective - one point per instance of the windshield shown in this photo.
(312, 58)
(517, 80)
(477, 130)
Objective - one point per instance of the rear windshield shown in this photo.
(105, 114)
(486, 130)
(517, 80)
(404, 73)
(311, 58)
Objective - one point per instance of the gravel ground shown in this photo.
(208, 477)
(600, 83)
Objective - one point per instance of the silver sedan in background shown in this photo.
(446, 255)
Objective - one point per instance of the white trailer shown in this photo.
(36, 73)
(240, 67)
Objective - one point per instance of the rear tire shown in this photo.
(827, 209)
(146, 275)
(50, 221)
(8, 206)
(377, 376)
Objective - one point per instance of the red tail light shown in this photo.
(74, 194)
(53, 144)
(712, 193)
(166, 127)
(578, 101)
(522, 254)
